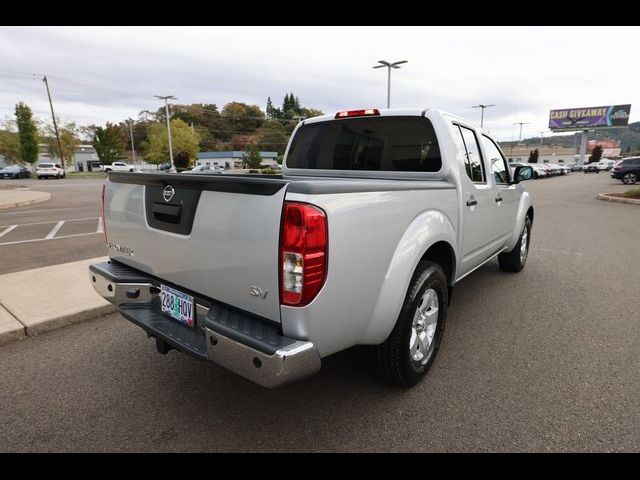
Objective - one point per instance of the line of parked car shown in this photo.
(43, 170)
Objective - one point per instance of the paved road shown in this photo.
(63, 229)
(542, 360)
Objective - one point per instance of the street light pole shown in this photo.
(166, 107)
(482, 113)
(389, 65)
(541, 137)
(521, 124)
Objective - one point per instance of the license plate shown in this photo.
(177, 304)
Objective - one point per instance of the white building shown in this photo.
(232, 159)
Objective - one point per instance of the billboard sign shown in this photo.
(608, 116)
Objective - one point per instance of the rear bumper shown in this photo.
(237, 340)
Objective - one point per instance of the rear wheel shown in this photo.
(409, 351)
(514, 260)
(629, 178)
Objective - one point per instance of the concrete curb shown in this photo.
(10, 328)
(609, 198)
(47, 298)
(32, 198)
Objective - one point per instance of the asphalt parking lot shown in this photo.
(543, 360)
(63, 229)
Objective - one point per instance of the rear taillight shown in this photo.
(303, 253)
(104, 220)
(358, 113)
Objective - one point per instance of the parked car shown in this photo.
(48, 170)
(627, 170)
(14, 171)
(555, 169)
(205, 169)
(539, 171)
(119, 167)
(590, 168)
(574, 167)
(359, 243)
(605, 164)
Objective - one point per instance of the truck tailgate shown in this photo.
(216, 235)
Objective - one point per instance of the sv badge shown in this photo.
(258, 292)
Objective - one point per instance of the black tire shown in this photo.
(392, 359)
(512, 261)
(629, 178)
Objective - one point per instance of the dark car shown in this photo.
(14, 171)
(627, 170)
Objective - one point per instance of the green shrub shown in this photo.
(270, 171)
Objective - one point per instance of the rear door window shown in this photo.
(405, 144)
(473, 158)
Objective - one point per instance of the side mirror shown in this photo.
(521, 173)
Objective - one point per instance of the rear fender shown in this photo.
(428, 228)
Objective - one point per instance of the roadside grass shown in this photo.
(632, 193)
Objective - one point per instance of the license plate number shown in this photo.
(177, 304)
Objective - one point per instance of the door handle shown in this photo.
(471, 202)
(498, 198)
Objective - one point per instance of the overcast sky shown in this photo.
(100, 74)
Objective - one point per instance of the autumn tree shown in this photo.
(596, 154)
(272, 136)
(68, 141)
(184, 143)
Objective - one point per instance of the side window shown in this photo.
(473, 159)
(499, 167)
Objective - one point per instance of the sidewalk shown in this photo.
(20, 198)
(34, 301)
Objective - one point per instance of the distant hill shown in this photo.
(629, 138)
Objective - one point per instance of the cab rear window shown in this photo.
(45, 165)
(405, 144)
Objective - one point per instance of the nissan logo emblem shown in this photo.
(168, 193)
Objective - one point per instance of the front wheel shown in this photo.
(409, 351)
(514, 260)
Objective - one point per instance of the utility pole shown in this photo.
(55, 125)
(166, 107)
(389, 65)
(541, 137)
(133, 148)
(482, 114)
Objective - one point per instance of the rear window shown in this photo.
(45, 165)
(406, 144)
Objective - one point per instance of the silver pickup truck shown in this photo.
(360, 241)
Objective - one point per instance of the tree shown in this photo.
(68, 141)
(27, 133)
(533, 156)
(272, 136)
(183, 141)
(109, 143)
(596, 154)
(9, 145)
(252, 157)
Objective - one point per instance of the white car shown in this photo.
(119, 167)
(205, 169)
(46, 170)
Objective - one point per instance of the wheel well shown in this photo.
(530, 214)
(442, 254)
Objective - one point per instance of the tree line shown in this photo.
(194, 128)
